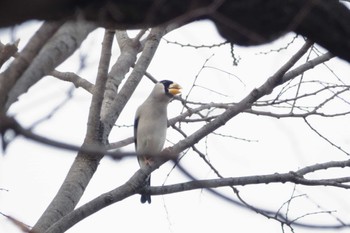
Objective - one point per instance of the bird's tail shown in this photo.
(144, 196)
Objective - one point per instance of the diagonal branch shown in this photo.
(75, 79)
(325, 138)
(132, 186)
(8, 123)
(246, 103)
(52, 53)
(293, 177)
(128, 54)
(119, 102)
(7, 51)
(9, 77)
(85, 164)
(94, 123)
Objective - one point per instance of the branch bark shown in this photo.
(132, 186)
(75, 79)
(85, 164)
(244, 22)
(63, 44)
(137, 180)
(10, 76)
(78, 178)
(7, 51)
(111, 115)
(246, 103)
(128, 51)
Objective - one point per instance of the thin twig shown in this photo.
(325, 138)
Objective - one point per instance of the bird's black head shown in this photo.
(166, 84)
(170, 88)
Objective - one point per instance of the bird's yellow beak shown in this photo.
(175, 89)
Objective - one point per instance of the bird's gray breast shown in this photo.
(151, 132)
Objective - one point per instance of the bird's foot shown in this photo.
(148, 161)
(168, 152)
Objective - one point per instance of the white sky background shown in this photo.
(33, 173)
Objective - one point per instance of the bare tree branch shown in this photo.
(326, 139)
(296, 177)
(75, 79)
(109, 100)
(245, 103)
(95, 129)
(152, 42)
(132, 186)
(243, 22)
(7, 124)
(9, 77)
(307, 66)
(7, 51)
(20, 225)
(67, 39)
(128, 51)
(85, 164)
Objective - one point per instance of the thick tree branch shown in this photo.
(7, 51)
(85, 164)
(112, 114)
(67, 39)
(266, 88)
(129, 48)
(10, 124)
(95, 128)
(244, 22)
(296, 177)
(10, 76)
(132, 186)
(64, 76)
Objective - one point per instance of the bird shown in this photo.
(150, 125)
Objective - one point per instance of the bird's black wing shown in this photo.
(136, 122)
